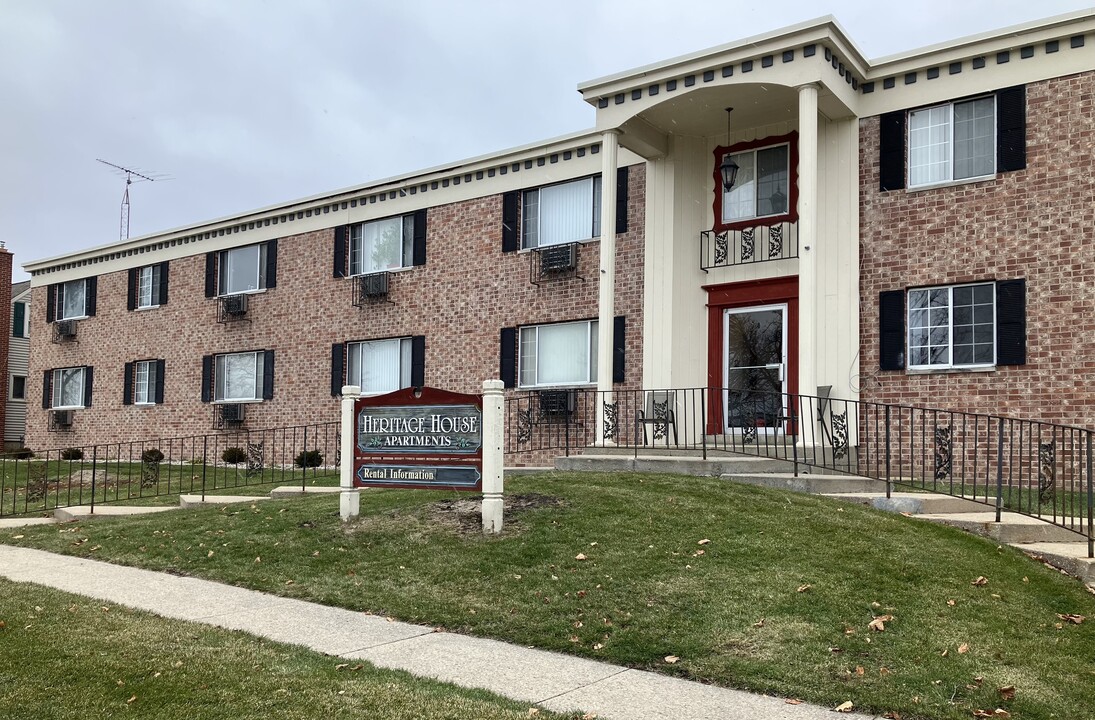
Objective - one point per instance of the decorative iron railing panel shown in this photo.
(762, 243)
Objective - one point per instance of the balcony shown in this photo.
(762, 243)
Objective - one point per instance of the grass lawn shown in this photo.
(65, 656)
(615, 567)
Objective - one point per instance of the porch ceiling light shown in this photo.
(728, 168)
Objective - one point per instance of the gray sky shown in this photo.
(246, 103)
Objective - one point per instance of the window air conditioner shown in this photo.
(234, 305)
(62, 418)
(558, 258)
(231, 414)
(373, 285)
(66, 329)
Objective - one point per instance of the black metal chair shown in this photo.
(660, 414)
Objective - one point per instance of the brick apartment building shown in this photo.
(910, 229)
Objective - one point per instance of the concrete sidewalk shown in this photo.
(551, 680)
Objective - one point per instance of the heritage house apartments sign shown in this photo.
(426, 438)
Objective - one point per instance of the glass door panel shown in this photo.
(755, 367)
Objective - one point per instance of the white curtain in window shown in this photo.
(241, 270)
(144, 285)
(563, 353)
(74, 293)
(68, 387)
(382, 246)
(140, 382)
(741, 201)
(974, 138)
(380, 366)
(566, 212)
(238, 376)
(929, 146)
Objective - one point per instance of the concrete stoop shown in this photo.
(808, 483)
(685, 465)
(1012, 529)
(910, 503)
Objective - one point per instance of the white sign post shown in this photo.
(493, 439)
(349, 504)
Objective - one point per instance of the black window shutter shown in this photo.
(341, 242)
(18, 319)
(131, 290)
(91, 297)
(207, 378)
(127, 384)
(268, 376)
(510, 230)
(508, 357)
(420, 239)
(160, 366)
(1011, 128)
(47, 390)
(418, 361)
(621, 200)
(1011, 322)
(89, 378)
(618, 344)
(272, 263)
(51, 303)
(338, 368)
(891, 157)
(891, 330)
(163, 282)
(211, 275)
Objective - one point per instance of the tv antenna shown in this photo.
(129, 174)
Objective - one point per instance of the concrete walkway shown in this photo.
(551, 680)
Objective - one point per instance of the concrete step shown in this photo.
(808, 483)
(1013, 529)
(910, 503)
(290, 491)
(712, 466)
(195, 501)
(1068, 556)
(24, 521)
(75, 513)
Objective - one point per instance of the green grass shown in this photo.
(645, 591)
(65, 656)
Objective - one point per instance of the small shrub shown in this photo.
(233, 455)
(21, 454)
(72, 454)
(309, 459)
(152, 455)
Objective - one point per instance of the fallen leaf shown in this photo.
(979, 680)
(258, 558)
(844, 707)
(697, 553)
(1007, 692)
(1072, 618)
(705, 541)
(883, 671)
(580, 556)
(879, 623)
(963, 649)
(892, 715)
(804, 588)
(792, 701)
(980, 581)
(1001, 713)
(289, 582)
(671, 659)
(759, 623)
(859, 670)
(17, 537)
(575, 638)
(533, 711)
(131, 700)
(342, 666)
(944, 653)
(598, 646)
(209, 554)
(950, 603)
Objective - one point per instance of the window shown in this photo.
(72, 299)
(563, 213)
(20, 322)
(762, 188)
(952, 326)
(242, 270)
(144, 382)
(560, 354)
(239, 377)
(951, 142)
(68, 388)
(379, 366)
(18, 387)
(148, 286)
(382, 245)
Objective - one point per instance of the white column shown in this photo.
(807, 258)
(493, 443)
(350, 498)
(607, 286)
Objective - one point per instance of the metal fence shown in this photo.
(144, 470)
(1043, 470)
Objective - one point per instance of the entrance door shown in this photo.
(755, 367)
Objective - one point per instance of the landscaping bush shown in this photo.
(309, 459)
(21, 454)
(233, 455)
(152, 455)
(72, 454)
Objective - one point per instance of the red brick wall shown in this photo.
(1038, 224)
(467, 291)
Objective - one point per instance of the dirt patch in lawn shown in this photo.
(466, 514)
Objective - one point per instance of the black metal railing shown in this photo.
(1039, 469)
(45, 480)
(746, 246)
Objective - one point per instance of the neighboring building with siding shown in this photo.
(906, 229)
(15, 415)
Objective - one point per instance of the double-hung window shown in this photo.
(379, 366)
(381, 245)
(762, 188)
(148, 286)
(952, 326)
(72, 300)
(238, 377)
(563, 213)
(242, 270)
(144, 382)
(559, 354)
(68, 387)
(956, 141)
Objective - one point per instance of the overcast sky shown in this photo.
(246, 103)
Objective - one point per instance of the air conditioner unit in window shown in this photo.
(371, 286)
(558, 404)
(61, 419)
(64, 329)
(558, 258)
(230, 415)
(234, 306)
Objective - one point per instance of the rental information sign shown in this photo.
(425, 438)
